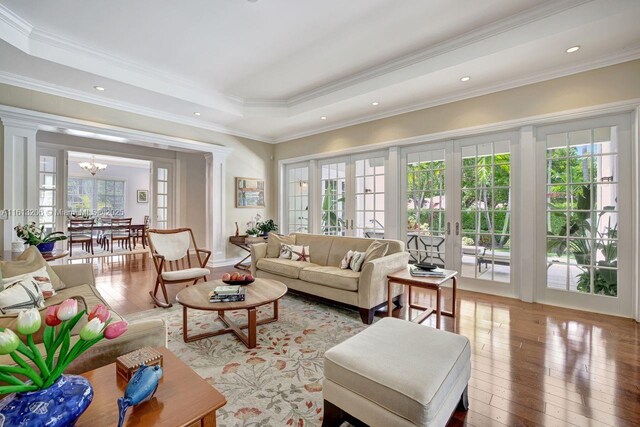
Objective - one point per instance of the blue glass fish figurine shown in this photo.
(142, 386)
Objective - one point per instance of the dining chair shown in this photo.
(80, 231)
(141, 232)
(119, 231)
(177, 259)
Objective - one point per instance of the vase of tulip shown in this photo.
(41, 395)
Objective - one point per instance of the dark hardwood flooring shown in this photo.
(533, 365)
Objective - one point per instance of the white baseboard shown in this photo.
(224, 262)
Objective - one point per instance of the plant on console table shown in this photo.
(33, 235)
(41, 393)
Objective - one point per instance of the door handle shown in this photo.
(457, 228)
(448, 228)
(352, 224)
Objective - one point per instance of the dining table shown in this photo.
(134, 227)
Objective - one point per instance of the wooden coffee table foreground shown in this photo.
(183, 398)
(260, 292)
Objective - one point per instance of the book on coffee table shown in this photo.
(227, 294)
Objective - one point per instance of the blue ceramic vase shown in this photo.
(46, 248)
(57, 406)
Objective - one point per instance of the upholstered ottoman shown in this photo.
(397, 373)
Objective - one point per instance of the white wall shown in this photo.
(135, 178)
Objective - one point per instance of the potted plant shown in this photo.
(58, 399)
(33, 235)
(265, 227)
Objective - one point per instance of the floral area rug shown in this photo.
(278, 383)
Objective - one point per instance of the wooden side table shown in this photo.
(244, 243)
(183, 398)
(404, 277)
(49, 256)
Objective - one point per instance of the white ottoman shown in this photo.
(396, 373)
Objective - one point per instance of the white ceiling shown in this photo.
(270, 69)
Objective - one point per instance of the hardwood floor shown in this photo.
(533, 365)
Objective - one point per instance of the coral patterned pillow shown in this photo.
(300, 253)
(285, 251)
(344, 264)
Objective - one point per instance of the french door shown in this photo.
(162, 202)
(352, 196)
(584, 215)
(457, 208)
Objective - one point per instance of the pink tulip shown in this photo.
(101, 312)
(51, 318)
(115, 329)
(68, 309)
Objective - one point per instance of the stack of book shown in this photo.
(227, 294)
(419, 272)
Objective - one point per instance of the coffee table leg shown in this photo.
(251, 330)
(184, 323)
(275, 310)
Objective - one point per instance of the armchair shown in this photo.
(172, 256)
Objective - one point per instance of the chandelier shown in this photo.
(92, 167)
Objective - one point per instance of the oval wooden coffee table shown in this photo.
(259, 293)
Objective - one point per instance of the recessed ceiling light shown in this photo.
(375, 103)
(573, 49)
(465, 79)
(197, 113)
(323, 118)
(100, 88)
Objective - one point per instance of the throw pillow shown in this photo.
(41, 277)
(300, 253)
(274, 242)
(356, 261)
(29, 261)
(375, 250)
(344, 264)
(285, 251)
(21, 295)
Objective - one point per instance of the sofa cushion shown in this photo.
(283, 267)
(334, 277)
(404, 367)
(27, 262)
(274, 241)
(319, 247)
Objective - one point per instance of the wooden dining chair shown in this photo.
(141, 233)
(119, 231)
(177, 259)
(80, 231)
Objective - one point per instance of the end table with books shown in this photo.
(432, 281)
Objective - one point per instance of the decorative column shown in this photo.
(216, 205)
(20, 174)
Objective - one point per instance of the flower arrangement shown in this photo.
(34, 235)
(60, 320)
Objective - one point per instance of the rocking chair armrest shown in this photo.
(160, 257)
(206, 258)
(206, 251)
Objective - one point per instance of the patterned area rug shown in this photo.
(279, 383)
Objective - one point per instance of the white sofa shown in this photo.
(322, 277)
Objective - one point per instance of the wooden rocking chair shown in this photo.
(172, 251)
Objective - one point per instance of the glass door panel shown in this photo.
(369, 198)
(425, 225)
(162, 201)
(485, 210)
(297, 199)
(582, 211)
(333, 189)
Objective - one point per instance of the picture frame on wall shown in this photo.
(249, 192)
(143, 196)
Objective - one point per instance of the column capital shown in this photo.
(11, 122)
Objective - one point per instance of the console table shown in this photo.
(244, 243)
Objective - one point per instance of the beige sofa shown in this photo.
(79, 283)
(323, 277)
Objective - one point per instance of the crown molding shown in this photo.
(61, 124)
(620, 57)
(501, 26)
(9, 17)
(78, 95)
